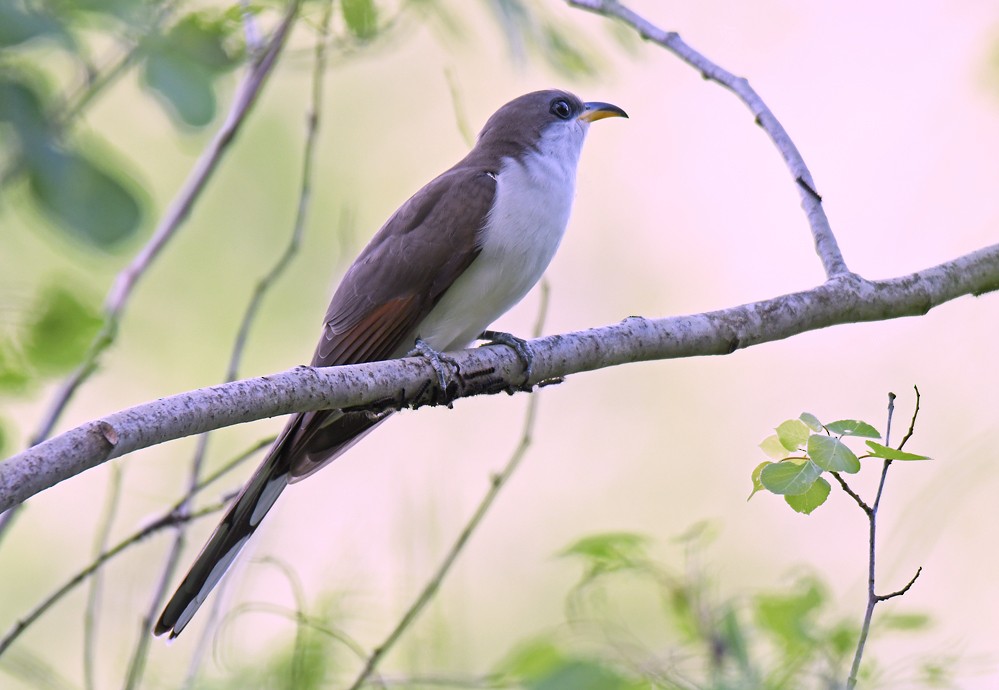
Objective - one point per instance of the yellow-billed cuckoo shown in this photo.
(457, 255)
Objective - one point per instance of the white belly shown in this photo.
(528, 220)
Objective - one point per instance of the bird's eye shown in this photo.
(561, 109)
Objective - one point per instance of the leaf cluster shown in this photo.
(803, 449)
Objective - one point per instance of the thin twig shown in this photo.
(851, 493)
(811, 201)
(498, 482)
(269, 279)
(90, 615)
(168, 519)
(886, 597)
(872, 516)
(140, 654)
(912, 423)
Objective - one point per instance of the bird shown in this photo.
(454, 257)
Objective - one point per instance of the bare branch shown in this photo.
(822, 234)
(912, 422)
(378, 385)
(886, 597)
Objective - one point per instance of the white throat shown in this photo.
(533, 200)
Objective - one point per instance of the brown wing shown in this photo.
(406, 268)
(395, 282)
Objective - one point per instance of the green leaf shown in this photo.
(757, 484)
(853, 427)
(21, 104)
(18, 24)
(790, 477)
(903, 621)
(772, 447)
(84, 198)
(63, 327)
(788, 617)
(532, 660)
(183, 85)
(811, 421)
(181, 67)
(14, 371)
(811, 499)
(564, 54)
(879, 451)
(361, 17)
(832, 455)
(611, 550)
(583, 674)
(792, 434)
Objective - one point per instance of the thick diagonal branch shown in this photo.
(845, 299)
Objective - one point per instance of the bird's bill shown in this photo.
(595, 110)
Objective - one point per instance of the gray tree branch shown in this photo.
(847, 298)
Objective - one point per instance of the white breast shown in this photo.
(533, 200)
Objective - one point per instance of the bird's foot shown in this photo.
(520, 346)
(440, 363)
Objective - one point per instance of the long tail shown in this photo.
(308, 443)
(229, 537)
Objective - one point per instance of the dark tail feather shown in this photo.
(308, 443)
(229, 537)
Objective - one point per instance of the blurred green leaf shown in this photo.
(789, 478)
(832, 455)
(584, 674)
(792, 434)
(83, 197)
(185, 85)
(853, 427)
(62, 329)
(19, 24)
(610, 551)
(733, 635)
(532, 660)
(21, 106)
(361, 17)
(811, 421)
(773, 448)
(14, 372)
(564, 54)
(811, 499)
(879, 451)
(757, 484)
(903, 621)
(789, 617)
(181, 66)
(842, 639)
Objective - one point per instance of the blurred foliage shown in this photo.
(182, 64)
(52, 339)
(804, 448)
(788, 638)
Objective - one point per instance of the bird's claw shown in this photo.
(520, 346)
(437, 360)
